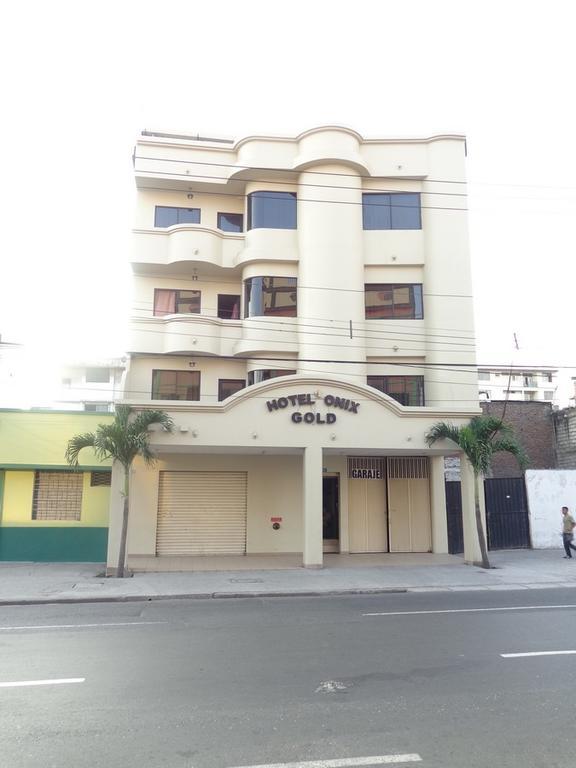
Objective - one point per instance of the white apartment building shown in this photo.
(501, 383)
(303, 310)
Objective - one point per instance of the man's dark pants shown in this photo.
(567, 539)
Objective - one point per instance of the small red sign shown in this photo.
(275, 519)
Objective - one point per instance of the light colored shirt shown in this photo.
(567, 523)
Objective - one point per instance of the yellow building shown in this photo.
(303, 310)
(48, 512)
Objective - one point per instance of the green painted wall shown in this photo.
(54, 545)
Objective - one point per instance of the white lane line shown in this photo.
(80, 626)
(472, 610)
(27, 683)
(537, 653)
(344, 762)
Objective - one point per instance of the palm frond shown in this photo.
(512, 446)
(443, 431)
(77, 444)
(145, 419)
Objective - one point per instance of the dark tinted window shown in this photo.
(255, 377)
(272, 210)
(407, 390)
(175, 385)
(228, 306)
(270, 296)
(228, 387)
(231, 222)
(391, 211)
(165, 216)
(394, 300)
(169, 302)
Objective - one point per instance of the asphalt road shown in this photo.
(221, 683)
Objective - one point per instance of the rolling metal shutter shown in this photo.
(201, 513)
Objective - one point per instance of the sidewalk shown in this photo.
(31, 583)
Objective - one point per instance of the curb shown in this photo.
(200, 596)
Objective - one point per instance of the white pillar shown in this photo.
(472, 552)
(312, 505)
(438, 506)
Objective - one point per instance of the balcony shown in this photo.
(189, 335)
(185, 243)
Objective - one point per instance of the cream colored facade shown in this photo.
(318, 459)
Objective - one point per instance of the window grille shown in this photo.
(408, 467)
(100, 478)
(57, 496)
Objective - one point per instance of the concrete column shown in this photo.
(438, 506)
(312, 505)
(471, 546)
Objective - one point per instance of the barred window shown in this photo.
(100, 478)
(57, 496)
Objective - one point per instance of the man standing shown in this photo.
(568, 525)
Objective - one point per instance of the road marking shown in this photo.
(471, 610)
(344, 762)
(537, 653)
(331, 686)
(26, 683)
(80, 626)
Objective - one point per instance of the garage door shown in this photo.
(201, 513)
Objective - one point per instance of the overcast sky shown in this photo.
(80, 80)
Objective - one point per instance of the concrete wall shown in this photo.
(548, 491)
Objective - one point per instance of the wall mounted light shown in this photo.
(190, 196)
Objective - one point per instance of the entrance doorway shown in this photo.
(331, 513)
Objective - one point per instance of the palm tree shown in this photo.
(122, 440)
(479, 441)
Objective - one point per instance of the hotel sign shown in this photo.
(327, 417)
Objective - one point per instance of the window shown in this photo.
(57, 495)
(168, 302)
(167, 217)
(98, 375)
(255, 377)
(97, 407)
(175, 385)
(484, 375)
(548, 377)
(392, 211)
(548, 395)
(272, 210)
(270, 296)
(228, 306)
(231, 222)
(228, 387)
(407, 390)
(100, 478)
(389, 301)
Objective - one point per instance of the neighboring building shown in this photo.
(565, 433)
(305, 315)
(49, 512)
(533, 426)
(539, 384)
(89, 385)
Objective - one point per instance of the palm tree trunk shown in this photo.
(124, 534)
(479, 526)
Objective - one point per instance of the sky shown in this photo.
(81, 80)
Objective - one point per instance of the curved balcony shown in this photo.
(268, 335)
(190, 335)
(186, 243)
(269, 245)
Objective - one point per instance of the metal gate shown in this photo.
(507, 513)
(454, 517)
